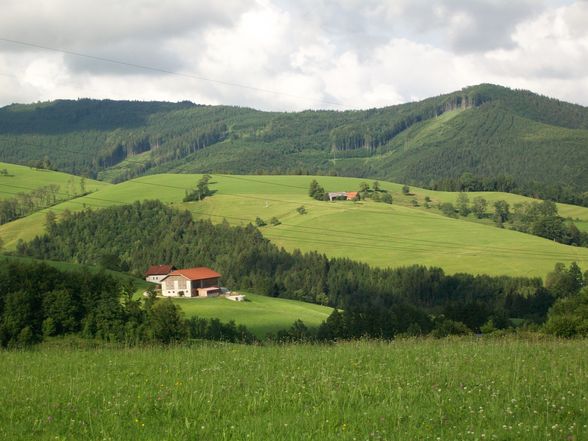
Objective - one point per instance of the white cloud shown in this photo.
(358, 53)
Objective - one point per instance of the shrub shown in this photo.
(448, 209)
(450, 327)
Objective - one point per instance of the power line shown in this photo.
(166, 71)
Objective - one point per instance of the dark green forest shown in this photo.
(491, 132)
(377, 302)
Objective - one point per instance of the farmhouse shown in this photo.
(156, 273)
(191, 282)
(348, 195)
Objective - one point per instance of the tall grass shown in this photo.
(403, 390)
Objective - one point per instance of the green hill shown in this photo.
(376, 233)
(487, 130)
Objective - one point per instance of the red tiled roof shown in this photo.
(199, 273)
(157, 270)
(351, 194)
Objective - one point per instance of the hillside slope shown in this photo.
(376, 233)
(21, 179)
(486, 130)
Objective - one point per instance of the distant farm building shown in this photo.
(191, 282)
(347, 195)
(156, 273)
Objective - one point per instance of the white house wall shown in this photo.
(171, 287)
(155, 279)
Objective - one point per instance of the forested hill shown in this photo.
(133, 237)
(488, 131)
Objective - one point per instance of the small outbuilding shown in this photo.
(337, 194)
(191, 282)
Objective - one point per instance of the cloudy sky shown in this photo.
(290, 54)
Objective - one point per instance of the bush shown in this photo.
(316, 191)
(448, 209)
(568, 317)
(166, 323)
(386, 198)
(448, 327)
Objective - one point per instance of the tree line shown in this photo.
(467, 182)
(23, 204)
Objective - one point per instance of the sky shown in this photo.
(290, 54)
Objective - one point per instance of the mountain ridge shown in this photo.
(485, 130)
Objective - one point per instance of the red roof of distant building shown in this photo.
(158, 270)
(199, 273)
(351, 195)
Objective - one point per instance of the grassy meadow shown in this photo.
(375, 233)
(451, 389)
(22, 179)
(261, 314)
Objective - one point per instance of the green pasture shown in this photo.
(451, 389)
(375, 233)
(260, 314)
(22, 179)
(582, 225)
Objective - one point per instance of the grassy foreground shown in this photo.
(404, 390)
